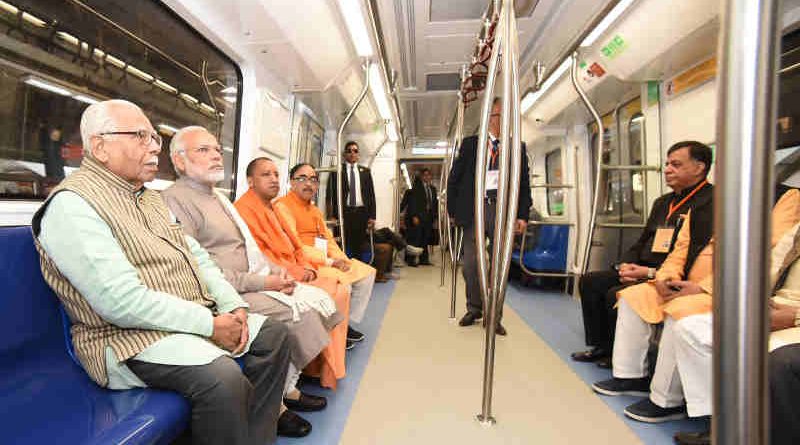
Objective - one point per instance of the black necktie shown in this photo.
(351, 196)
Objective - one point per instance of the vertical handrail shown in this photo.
(742, 196)
(458, 235)
(507, 189)
(339, 148)
(480, 172)
(596, 198)
(485, 416)
(457, 232)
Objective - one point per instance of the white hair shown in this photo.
(178, 144)
(97, 118)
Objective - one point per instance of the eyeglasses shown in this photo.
(145, 137)
(206, 149)
(303, 178)
(351, 150)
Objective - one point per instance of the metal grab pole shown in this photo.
(339, 148)
(485, 417)
(457, 232)
(516, 159)
(573, 74)
(507, 194)
(742, 195)
(480, 172)
(455, 256)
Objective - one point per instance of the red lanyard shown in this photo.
(674, 208)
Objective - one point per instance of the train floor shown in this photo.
(417, 377)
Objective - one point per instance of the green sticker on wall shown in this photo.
(652, 92)
(614, 48)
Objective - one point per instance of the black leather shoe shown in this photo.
(425, 263)
(500, 330)
(292, 425)
(306, 402)
(701, 438)
(592, 355)
(469, 319)
(354, 335)
(349, 344)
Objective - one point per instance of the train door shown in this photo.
(622, 209)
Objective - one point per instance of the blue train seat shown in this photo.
(365, 257)
(45, 397)
(549, 252)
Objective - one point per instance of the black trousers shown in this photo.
(230, 406)
(355, 229)
(784, 386)
(598, 297)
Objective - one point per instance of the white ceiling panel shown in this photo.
(450, 10)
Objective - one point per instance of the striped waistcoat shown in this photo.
(155, 247)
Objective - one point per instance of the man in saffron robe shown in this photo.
(307, 223)
(278, 243)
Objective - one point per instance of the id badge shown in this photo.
(321, 244)
(663, 239)
(492, 179)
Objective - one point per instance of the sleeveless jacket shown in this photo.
(155, 247)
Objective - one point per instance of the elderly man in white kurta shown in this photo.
(209, 217)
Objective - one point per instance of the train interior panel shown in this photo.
(518, 211)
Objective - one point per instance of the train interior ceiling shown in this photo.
(280, 79)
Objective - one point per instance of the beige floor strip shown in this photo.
(423, 382)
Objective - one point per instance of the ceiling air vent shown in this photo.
(443, 82)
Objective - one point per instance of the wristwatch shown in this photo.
(651, 273)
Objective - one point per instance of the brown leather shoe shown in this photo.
(381, 279)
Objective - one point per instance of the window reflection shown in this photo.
(56, 58)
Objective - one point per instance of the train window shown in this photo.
(788, 87)
(58, 57)
(554, 176)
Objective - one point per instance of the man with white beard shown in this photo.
(211, 219)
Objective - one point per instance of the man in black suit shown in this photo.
(688, 164)
(359, 201)
(460, 206)
(421, 207)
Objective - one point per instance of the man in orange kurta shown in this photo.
(279, 243)
(307, 223)
(671, 294)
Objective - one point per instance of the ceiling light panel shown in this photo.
(354, 19)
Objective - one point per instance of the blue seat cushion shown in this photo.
(550, 251)
(45, 397)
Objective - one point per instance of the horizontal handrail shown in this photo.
(654, 168)
(621, 226)
(330, 169)
(552, 186)
(551, 223)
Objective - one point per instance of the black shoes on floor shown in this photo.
(292, 425)
(306, 402)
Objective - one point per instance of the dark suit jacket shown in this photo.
(461, 185)
(415, 204)
(367, 190)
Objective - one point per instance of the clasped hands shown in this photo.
(230, 331)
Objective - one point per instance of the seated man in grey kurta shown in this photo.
(148, 306)
(211, 219)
